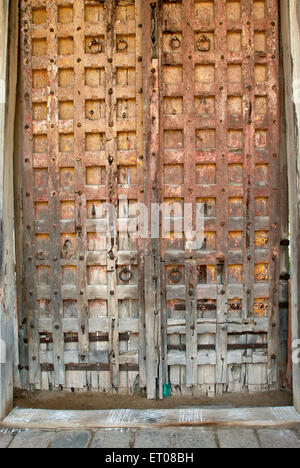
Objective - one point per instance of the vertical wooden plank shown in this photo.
(151, 326)
(284, 262)
(248, 86)
(191, 322)
(152, 152)
(221, 53)
(80, 194)
(162, 351)
(54, 199)
(188, 48)
(112, 190)
(273, 160)
(141, 24)
(29, 268)
(163, 339)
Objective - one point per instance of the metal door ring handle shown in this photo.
(175, 43)
(203, 44)
(95, 42)
(125, 275)
(122, 45)
(175, 275)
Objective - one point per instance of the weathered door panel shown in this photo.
(213, 89)
(125, 102)
(83, 138)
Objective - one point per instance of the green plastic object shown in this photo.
(167, 390)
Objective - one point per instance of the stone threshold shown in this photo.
(21, 418)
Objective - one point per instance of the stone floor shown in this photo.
(182, 438)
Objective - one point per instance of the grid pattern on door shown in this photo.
(82, 116)
(219, 133)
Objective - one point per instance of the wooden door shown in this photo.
(82, 145)
(213, 126)
(126, 102)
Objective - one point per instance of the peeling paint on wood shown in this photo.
(159, 102)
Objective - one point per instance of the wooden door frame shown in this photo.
(290, 167)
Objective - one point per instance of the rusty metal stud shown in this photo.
(94, 210)
(56, 326)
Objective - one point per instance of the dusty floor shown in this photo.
(94, 401)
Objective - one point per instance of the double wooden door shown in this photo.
(131, 103)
